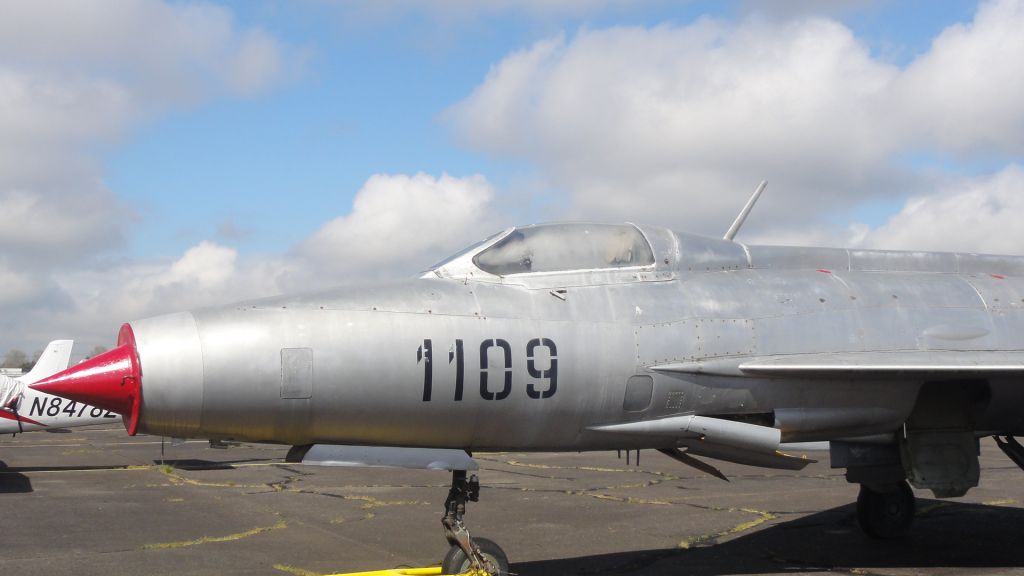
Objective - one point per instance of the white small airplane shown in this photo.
(23, 409)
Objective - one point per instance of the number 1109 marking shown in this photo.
(501, 374)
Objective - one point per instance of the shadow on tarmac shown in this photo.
(13, 482)
(199, 464)
(945, 535)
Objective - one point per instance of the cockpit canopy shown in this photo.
(558, 247)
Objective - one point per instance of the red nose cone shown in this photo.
(112, 380)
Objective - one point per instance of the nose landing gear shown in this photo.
(885, 512)
(472, 555)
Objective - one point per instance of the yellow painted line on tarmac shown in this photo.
(369, 502)
(212, 539)
(172, 474)
(133, 467)
(431, 571)
(923, 509)
(1001, 502)
(56, 470)
(624, 499)
(556, 467)
(295, 571)
(761, 518)
(85, 442)
(220, 466)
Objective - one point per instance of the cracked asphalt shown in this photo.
(94, 501)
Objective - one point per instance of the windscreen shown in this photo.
(556, 247)
(469, 248)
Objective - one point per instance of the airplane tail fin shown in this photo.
(54, 359)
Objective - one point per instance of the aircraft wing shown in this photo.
(961, 363)
(865, 364)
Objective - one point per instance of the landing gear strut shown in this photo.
(477, 555)
(885, 512)
(1010, 446)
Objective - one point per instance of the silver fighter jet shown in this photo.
(582, 336)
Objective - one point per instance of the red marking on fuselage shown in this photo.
(824, 271)
(998, 276)
(8, 415)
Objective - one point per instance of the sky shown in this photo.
(160, 156)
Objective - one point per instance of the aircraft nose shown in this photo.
(112, 381)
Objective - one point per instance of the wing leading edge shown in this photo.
(986, 363)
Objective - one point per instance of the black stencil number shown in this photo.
(550, 373)
(502, 371)
(425, 354)
(506, 389)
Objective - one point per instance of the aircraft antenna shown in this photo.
(745, 212)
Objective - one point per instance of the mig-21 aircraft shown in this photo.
(585, 336)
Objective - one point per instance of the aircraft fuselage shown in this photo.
(532, 361)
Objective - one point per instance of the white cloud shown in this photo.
(675, 124)
(16, 286)
(670, 124)
(963, 96)
(641, 123)
(258, 63)
(448, 12)
(976, 215)
(398, 223)
(170, 53)
(38, 232)
(100, 298)
(207, 265)
(794, 8)
(75, 78)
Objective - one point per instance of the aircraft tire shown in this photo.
(886, 515)
(456, 562)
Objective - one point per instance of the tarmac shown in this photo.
(93, 501)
